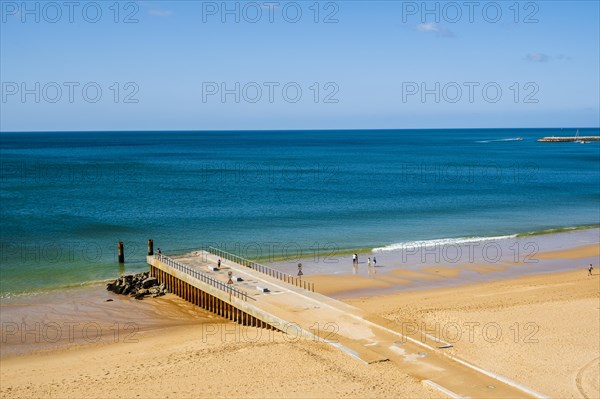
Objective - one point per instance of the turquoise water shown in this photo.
(68, 198)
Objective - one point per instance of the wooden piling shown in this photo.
(150, 247)
(120, 252)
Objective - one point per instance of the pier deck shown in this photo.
(310, 315)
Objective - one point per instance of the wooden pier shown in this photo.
(255, 295)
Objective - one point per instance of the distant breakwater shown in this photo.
(565, 139)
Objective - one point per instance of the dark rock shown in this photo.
(150, 282)
(138, 285)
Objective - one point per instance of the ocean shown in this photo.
(67, 198)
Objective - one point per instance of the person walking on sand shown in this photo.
(369, 262)
(590, 269)
(374, 261)
(219, 264)
(353, 259)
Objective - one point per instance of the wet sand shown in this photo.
(89, 315)
(352, 281)
(582, 252)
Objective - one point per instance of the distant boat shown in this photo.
(578, 140)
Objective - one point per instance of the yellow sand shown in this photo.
(557, 318)
(547, 327)
(208, 361)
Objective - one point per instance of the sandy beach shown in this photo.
(539, 330)
(542, 331)
(201, 356)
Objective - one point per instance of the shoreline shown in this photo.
(439, 263)
(377, 248)
(430, 277)
(397, 273)
(580, 243)
(306, 255)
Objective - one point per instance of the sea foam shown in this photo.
(439, 242)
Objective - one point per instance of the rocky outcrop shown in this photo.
(137, 285)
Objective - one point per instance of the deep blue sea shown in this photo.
(68, 198)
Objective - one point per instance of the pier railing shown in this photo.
(287, 278)
(203, 277)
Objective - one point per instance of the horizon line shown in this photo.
(286, 130)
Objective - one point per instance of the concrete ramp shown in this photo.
(295, 310)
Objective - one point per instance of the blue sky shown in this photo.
(344, 64)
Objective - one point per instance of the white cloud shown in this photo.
(437, 29)
(537, 57)
(427, 27)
